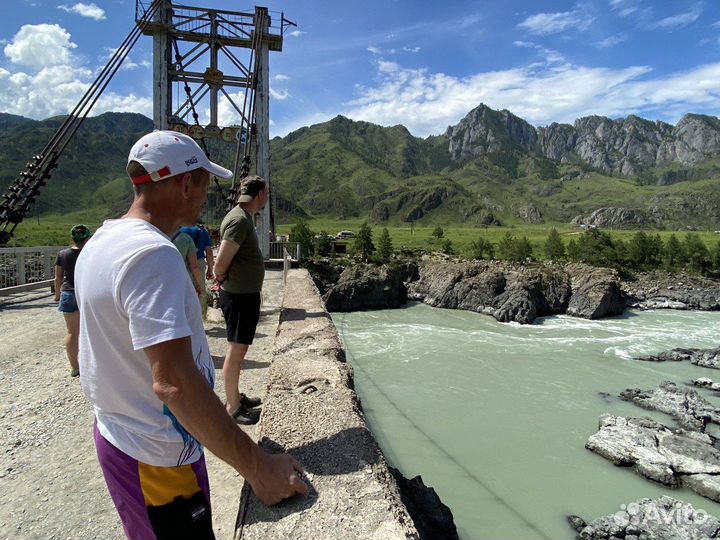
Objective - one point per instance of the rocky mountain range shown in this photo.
(491, 168)
(626, 146)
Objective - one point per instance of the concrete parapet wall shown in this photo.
(311, 411)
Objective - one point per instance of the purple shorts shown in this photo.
(157, 502)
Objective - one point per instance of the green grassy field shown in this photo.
(462, 237)
(55, 231)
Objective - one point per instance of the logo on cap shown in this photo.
(191, 161)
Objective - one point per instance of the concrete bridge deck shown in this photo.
(52, 486)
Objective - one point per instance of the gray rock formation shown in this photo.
(686, 406)
(663, 518)
(624, 146)
(367, 287)
(432, 518)
(610, 217)
(671, 457)
(705, 382)
(656, 290)
(709, 358)
(484, 130)
(518, 294)
(596, 292)
(530, 214)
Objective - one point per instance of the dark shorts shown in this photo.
(157, 502)
(241, 312)
(68, 304)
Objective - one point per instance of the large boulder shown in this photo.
(663, 518)
(508, 294)
(368, 287)
(708, 358)
(691, 410)
(432, 518)
(673, 458)
(596, 292)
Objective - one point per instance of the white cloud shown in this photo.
(610, 41)
(716, 24)
(40, 45)
(281, 77)
(544, 24)
(90, 11)
(624, 7)
(297, 33)
(53, 81)
(128, 64)
(680, 20)
(280, 95)
(427, 102)
(379, 51)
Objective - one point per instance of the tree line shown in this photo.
(643, 251)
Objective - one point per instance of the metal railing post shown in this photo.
(20, 269)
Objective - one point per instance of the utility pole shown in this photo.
(202, 49)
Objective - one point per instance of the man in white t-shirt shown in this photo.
(144, 357)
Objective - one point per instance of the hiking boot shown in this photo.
(245, 416)
(249, 402)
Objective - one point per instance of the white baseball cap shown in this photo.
(166, 153)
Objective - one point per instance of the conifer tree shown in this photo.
(715, 257)
(385, 247)
(482, 249)
(554, 247)
(673, 253)
(301, 233)
(438, 232)
(363, 245)
(698, 256)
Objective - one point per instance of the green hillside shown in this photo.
(347, 170)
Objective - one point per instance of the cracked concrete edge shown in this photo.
(311, 410)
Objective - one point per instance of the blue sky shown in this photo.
(418, 63)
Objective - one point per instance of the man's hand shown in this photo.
(57, 296)
(276, 479)
(209, 274)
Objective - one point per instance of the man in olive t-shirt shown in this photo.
(240, 270)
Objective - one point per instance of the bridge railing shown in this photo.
(277, 251)
(26, 268)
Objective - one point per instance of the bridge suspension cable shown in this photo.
(27, 185)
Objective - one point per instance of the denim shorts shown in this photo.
(67, 302)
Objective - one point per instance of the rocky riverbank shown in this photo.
(508, 292)
(663, 518)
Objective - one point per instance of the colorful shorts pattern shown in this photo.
(155, 503)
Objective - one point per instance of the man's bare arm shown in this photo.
(209, 256)
(198, 279)
(58, 281)
(227, 251)
(179, 384)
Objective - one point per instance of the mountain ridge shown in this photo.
(491, 167)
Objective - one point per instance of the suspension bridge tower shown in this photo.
(221, 60)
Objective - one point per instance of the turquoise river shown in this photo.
(495, 416)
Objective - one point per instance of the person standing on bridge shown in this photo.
(240, 270)
(65, 293)
(145, 358)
